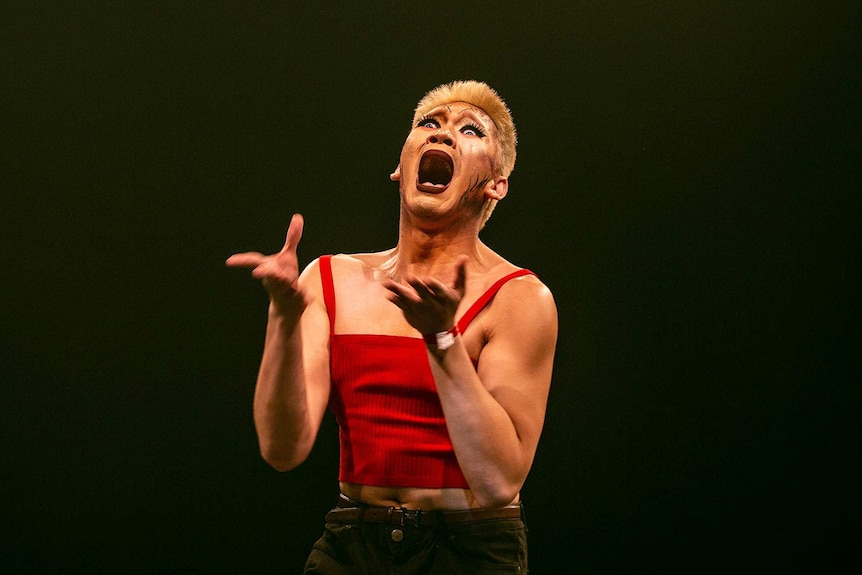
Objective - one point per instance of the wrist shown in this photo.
(441, 340)
(285, 315)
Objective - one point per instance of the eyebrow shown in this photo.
(473, 112)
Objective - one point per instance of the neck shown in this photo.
(427, 249)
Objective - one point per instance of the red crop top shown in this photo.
(391, 426)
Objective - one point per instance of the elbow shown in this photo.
(281, 464)
(282, 450)
(281, 460)
(497, 496)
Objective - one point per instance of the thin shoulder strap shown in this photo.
(486, 297)
(328, 289)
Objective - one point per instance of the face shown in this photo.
(447, 161)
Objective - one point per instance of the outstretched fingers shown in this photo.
(424, 287)
(279, 272)
(255, 259)
(245, 260)
(399, 294)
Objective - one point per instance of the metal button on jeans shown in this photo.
(397, 535)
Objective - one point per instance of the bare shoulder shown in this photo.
(311, 271)
(347, 270)
(342, 262)
(525, 302)
(525, 288)
(310, 281)
(520, 329)
(527, 293)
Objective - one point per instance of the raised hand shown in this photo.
(279, 272)
(429, 305)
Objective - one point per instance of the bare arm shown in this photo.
(494, 415)
(293, 381)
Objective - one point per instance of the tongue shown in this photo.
(431, 187)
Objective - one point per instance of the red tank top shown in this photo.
(391, 426)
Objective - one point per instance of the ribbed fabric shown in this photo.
(392, 429)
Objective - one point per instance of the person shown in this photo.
(435, 356)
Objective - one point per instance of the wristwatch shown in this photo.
(442, 340)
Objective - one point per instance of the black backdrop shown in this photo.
(687, 185)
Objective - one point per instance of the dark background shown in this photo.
(687, 185)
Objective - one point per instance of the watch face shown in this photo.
(445, 340)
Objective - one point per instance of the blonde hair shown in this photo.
(482, 96)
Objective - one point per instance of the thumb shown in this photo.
(294, 232)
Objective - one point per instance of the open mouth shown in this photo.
(435, 171)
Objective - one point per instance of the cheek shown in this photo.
(411, 146)
(405, 157)
(479, 157)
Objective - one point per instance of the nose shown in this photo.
(442, 136)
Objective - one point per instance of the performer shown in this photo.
(435, 357)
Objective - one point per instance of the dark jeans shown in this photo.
(493, 547)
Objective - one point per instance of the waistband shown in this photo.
(350, 511)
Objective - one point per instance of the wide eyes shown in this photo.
(473, 130)
(427, 122)
(467, 129)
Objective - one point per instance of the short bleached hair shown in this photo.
(482, 96)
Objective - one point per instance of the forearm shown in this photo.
(494, 459)
(282, 419)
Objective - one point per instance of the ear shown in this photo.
(497, 188)
(396, 175)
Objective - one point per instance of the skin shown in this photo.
(439, 267)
